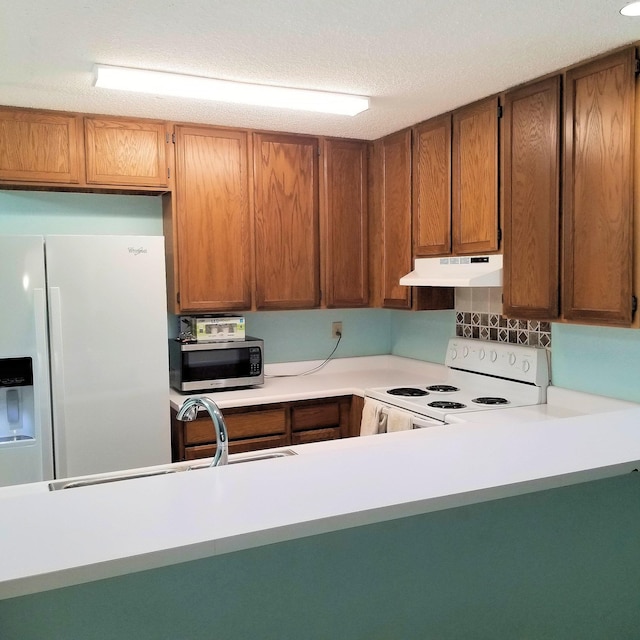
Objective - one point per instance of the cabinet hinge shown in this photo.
(168, 173)
(167, 138)
(637, 70)
(499, 235)
(634, 304)
(173, 138)
(178, 297)
(499, 111)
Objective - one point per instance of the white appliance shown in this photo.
(480, 376)
(456, 271)
(86, 315)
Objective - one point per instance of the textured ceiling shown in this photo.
(415, 58)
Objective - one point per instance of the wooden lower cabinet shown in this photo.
(267, 426)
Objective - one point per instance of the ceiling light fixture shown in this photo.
(172, 84)
(631, 10)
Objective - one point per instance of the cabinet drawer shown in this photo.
(315, 416)
(241, 425)
(315, 435)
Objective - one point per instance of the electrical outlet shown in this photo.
(336, 329)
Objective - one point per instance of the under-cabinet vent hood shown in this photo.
(465, 271)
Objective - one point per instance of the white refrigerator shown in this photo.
(84, 384)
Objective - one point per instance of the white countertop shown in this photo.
(340, 377)
(61, 538)
(57, 539)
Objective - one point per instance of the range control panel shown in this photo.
(500, 359)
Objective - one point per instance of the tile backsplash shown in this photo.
(479, 315)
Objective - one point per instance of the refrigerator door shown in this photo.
(108, 337)
(26, 453)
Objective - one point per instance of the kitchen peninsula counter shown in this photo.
(58, 539)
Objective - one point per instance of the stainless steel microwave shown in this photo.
(207, 366)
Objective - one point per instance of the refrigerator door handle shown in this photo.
(43, 408)
(57, 381)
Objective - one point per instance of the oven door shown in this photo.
(417, 421)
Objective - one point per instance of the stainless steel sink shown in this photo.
(178, 468)
(250, 458)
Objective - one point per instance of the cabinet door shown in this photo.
(346, 254)
(38, 147)
(125, 152)
(475, 178)
(286, 222)
(213, 224)
(391, 233)
(432, 187)
(532, 200)
(598, 191)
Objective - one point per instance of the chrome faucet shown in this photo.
(189, 412)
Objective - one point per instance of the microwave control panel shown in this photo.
(255, 361)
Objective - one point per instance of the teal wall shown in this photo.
(597, 360)
(306, 335)
(562, 564)
(422, 334)
(28, 212)
(591, 359)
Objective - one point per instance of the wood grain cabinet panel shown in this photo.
(598, 190)
(126, 152)
(267, 426)
(432, 187)
(39, 146)
(531, 178)
(391, 231)
(475, 178)
(346, 220)
(286, 220)
(213, 220)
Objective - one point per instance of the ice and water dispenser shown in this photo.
(16, 401)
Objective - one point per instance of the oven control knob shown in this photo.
(465, 352)
(482, 354)
(512, 358)
(526, 365)
(454, 354)
(493, 355)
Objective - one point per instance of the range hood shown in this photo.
(465, 271)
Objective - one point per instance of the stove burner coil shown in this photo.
(408, 391)
(490, 400)
(446, 404)
(442, 388)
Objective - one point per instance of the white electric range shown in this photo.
(480, 376)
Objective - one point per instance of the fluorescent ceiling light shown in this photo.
(632, 9)
(172, 84)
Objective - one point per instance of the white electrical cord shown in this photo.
(306, 373)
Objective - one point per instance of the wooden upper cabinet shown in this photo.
(475, 178)
(531, 179)
(39, 146)
(432, 187)
(213, 222)
(346, 223)
(392, 229)
(598, 190)
(286, 220)
(126, 152)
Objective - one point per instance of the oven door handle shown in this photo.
(417, 422)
